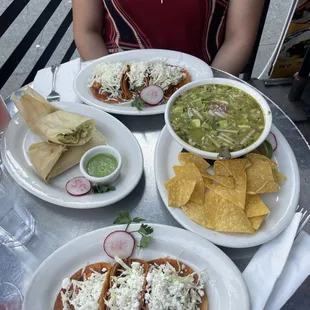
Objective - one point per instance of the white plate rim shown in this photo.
(160, 109)
(65, 204)
(221, 238)
(160, 230)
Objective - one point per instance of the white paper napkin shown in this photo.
(267, 265)
(64, 81)
(296, 270)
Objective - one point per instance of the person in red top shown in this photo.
(221, 32)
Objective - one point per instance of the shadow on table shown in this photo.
(241, 257)
(151, 123)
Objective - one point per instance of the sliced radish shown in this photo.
(78, 186)
(152, 95)
(273, 141)
(119, 243)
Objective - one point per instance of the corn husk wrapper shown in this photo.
(51, 123)
(50, 159)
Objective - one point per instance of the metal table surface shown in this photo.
(57, 225)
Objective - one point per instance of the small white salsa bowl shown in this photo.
(220, 81)
(106, 180)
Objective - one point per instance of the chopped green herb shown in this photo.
(144, 230)
(137, 220)
(100, 189)
(138, 103)
(145, 241)
(123, 218)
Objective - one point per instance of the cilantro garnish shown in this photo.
(100, 189)
(138, 103)
(145, 230)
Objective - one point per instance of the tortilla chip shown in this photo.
(231, 218)
(197, 213)
(212, 202)
(236, 165)
(257, 221)
(207, 181)
(258, 175)
(227, 181)
(219, 214)
(235, 168)
(235, 195)
(202, 165)
(220, 169)
(179, 192)
(278, 176)
(252, 157)
(255, 206)
(178, 169)
(191, 172)
(171, 181)
(269, 187)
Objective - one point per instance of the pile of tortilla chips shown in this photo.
(227, 201)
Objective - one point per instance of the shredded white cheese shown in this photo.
(109, 76)
(125, 293)
(83, 295)
(166, 289)
(137, 74)
(164, 75)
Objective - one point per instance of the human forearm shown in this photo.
(90, 45)
(243, 20)
(233, 56)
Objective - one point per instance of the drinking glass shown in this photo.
(17, 225)
(4, 115)
(10, 297)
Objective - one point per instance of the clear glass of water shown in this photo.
(4, 115)
(10, 297)
(17, 225)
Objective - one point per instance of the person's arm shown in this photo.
(241, 29)
(88, 28)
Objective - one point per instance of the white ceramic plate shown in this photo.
(196, 67)
(225, 286)
(282, 205)
(17, 139)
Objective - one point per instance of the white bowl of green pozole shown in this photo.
(214, 115)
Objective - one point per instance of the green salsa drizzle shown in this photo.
(213, 117)
(101, 165)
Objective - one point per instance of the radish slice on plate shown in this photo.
(152, 95)
(78, 186)
(273, 141)
(119, 243)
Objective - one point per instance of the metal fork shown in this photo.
(304, 220)
(54, 96)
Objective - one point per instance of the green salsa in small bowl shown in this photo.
(101, 164)
(213, 115)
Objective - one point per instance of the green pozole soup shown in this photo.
(213, 117)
